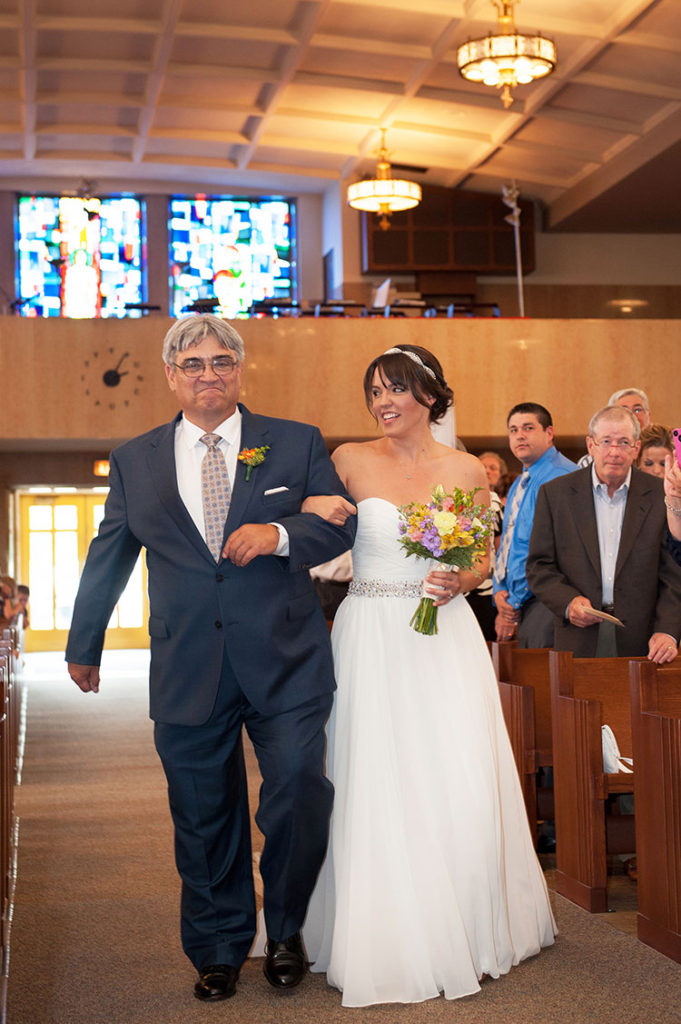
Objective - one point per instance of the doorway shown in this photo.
(55, 530)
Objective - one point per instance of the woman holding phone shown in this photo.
(672, 495)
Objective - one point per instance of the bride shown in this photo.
(431, 880)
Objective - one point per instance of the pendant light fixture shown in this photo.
(506, 58)
(384, 194)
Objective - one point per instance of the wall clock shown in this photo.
(111, 378)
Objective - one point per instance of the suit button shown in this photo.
(219, 577)
(218, 624)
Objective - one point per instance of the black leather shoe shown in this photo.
(218, 981)
(285, 962)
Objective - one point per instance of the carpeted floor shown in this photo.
(95, 936)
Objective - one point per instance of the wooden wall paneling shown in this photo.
(312, 370)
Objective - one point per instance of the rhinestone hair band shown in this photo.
(414, 358)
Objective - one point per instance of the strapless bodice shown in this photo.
(378, 554)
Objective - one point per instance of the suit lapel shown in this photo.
(586, 524)
(635, 513)
(162, 469)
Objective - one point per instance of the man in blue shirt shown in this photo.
(530, 438)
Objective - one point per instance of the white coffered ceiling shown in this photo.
(291, 94)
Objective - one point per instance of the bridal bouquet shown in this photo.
(452, 529)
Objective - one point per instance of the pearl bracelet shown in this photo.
(674, 511)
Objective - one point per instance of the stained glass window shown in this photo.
(79, 257)
(226, 253)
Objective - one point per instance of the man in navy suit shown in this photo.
(237, 638)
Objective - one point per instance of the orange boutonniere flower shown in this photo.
(252, 457)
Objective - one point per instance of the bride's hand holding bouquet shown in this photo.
(451, 529)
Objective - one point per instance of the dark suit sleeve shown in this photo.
(674, 547)
(545, 577)
(668, 605)
(110, 561)
(311, 539)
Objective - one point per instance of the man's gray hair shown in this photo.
(191, 330)
(615, 412)
(614, 398)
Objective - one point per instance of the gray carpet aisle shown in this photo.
(95, 932)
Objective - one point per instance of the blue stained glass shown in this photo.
(234, 250)
(75, 256)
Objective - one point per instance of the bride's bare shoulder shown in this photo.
(353, 453)
(467, 468)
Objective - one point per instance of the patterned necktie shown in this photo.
(501, 560)
(215, 492)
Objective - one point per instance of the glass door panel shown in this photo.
(55, 533)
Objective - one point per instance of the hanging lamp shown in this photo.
(384, 194)
(506, 58)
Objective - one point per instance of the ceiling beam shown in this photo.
(28, 80)
(162, 51)
(639, 153)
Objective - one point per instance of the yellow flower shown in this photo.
(445, 522)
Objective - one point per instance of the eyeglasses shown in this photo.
(221, 365)
(619, 442)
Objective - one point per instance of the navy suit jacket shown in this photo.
(564, 561)
(265, 615)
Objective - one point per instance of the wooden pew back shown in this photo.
(523, 676)
(606, 682)
(587, 693)
(656, 729)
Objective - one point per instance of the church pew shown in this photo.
(10, 718)
(587, 693)
(656, 733)
(6, 801)
(523, 677)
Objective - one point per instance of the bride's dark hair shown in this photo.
(420, 372)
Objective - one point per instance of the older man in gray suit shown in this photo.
(599, 545)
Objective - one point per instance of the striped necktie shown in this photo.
(501, 560)
(216, 494)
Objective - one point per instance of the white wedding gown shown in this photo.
(431, 880)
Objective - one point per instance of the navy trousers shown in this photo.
(207, 790)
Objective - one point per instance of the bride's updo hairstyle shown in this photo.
(416, 369)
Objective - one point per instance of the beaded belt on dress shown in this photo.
(386, 588)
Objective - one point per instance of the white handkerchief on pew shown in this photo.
(613, 762)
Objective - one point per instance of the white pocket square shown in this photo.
(276, 490)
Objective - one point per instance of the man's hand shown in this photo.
(333, 508)
(661, 648)
(579, 612)
(85, 676)
(249, 541)
(508, 617)
(503, 629)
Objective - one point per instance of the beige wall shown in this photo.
(312, 370)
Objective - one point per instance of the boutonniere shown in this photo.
(252, 457)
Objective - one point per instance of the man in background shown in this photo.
(530, 438)
(599, 545)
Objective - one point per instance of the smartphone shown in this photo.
(676, 433)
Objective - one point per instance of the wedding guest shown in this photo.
(672, 500)
(495, 467)
(530, 438)
(599, 544)
(656, 445)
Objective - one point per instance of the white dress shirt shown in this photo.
(189, 454)
(609, 518)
